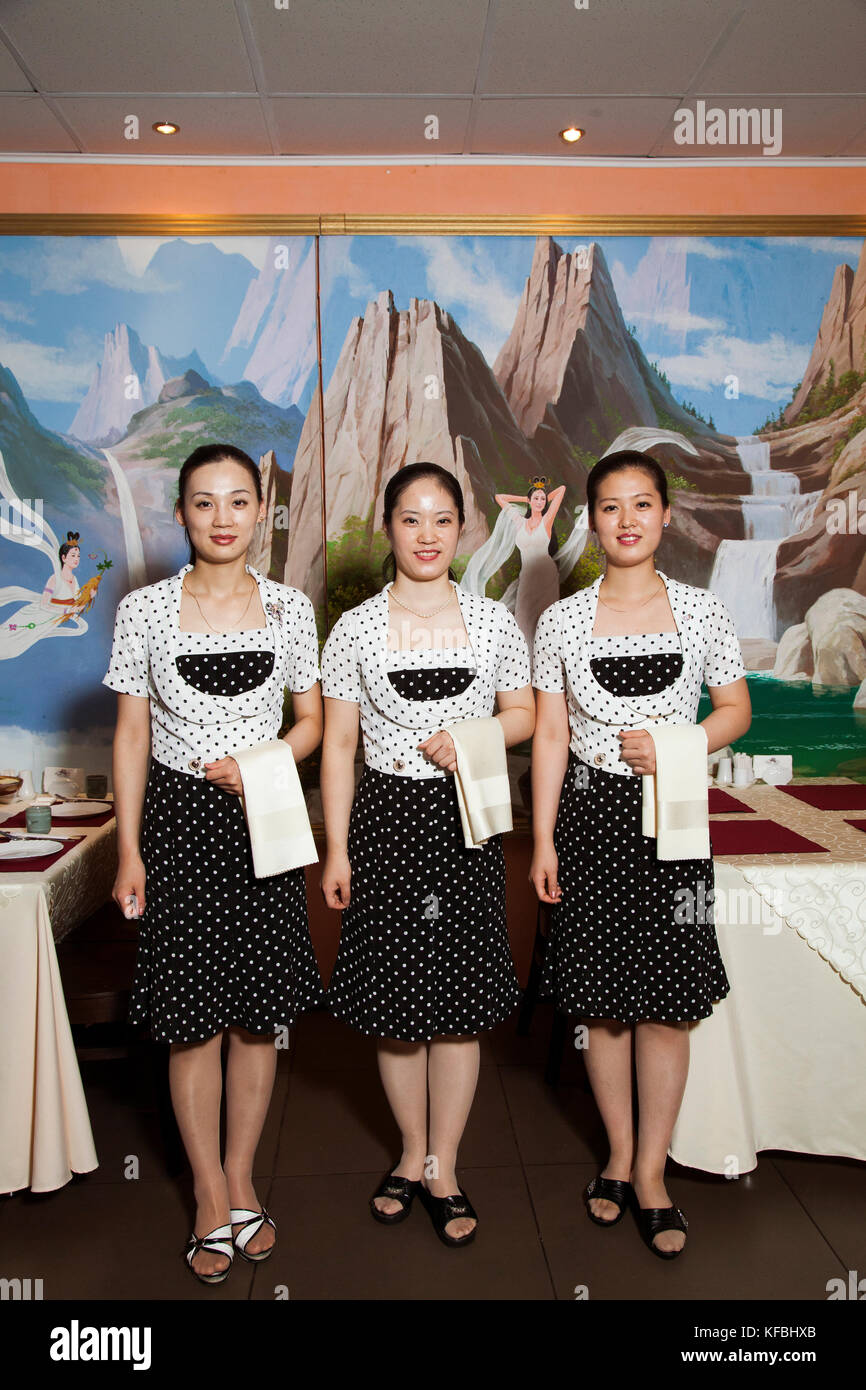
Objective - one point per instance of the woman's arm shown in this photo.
(731, 716)
(503, 498)
(337, 781)
(129, 775)
(549, 762)
(516, 714)
(306, 732)
(553, 502)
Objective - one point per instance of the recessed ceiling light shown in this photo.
(571, 134)
(166, 128)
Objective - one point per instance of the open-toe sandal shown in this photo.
(443, 1210)
(401, 1190)
(653, 1220)
(217, 1242)
(251, 1222)
(609, 1190)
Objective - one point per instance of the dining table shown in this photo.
(780, 1064)
(46, 1134)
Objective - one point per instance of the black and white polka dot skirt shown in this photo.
(423, 944)
(217, 946)
(633, 937)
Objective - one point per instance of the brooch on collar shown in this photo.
(275, 610)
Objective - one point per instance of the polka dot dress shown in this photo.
(633, 937)
(423, 946)
(217, 946)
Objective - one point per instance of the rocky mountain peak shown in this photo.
(190, 384)
(841, 335)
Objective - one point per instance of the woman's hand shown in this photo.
(130, 880)
(225, 773)
(439, 748)
(638, 750)
(543, 873)
(336, 876)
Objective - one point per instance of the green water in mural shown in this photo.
(820, 728)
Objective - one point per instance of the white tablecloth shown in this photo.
(781, 1062)
(45, 1135)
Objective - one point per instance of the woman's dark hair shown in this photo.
(554, 543)
(214, 453)
(72, 542)
(397, 485)
(615, 463)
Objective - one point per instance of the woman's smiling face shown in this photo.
(220, 510)
(424, 530)
(629, 516)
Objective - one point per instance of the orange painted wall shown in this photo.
(437, 190)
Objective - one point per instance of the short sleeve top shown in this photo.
(562, 662)
(356, 662)
(190, 723)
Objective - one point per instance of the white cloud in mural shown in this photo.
(463, 276)
(677, 320)
(16, 313)
(70, 265)
(50, 373)
(849, 248)
(337, 264)
(767, 370)
(701, 246)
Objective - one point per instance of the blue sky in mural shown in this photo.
(701, 307)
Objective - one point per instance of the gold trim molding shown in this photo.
(385, 224)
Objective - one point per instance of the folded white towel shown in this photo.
(481, 779)
(276, 812)
(675, 805)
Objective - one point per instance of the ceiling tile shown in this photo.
(810, 126)
(12, 79)
(353, 46)
(369, 125)
(531, 126)
(208, 125)
(635, 47)
(797, 46)
(127, 46)
(27, 123)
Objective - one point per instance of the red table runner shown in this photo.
(759, 837)
(857, 824)
(37, 866)
(18, 822)
(723, 804)
(850, 798)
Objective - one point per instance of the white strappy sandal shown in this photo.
(251, 1223)
(218, 1242)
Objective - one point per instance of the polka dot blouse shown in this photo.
(201, 711)
(567, 658)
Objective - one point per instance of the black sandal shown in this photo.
(653, 1220)
(445, 1209)
(609, 1190)
(401, 1190)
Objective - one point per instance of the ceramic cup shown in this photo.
(724, 772)
(96, 784)
(38, 819)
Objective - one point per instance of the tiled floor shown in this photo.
(779, 1233)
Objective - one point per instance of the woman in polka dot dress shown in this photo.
(200, 662)
(623, 953)
(424, 962)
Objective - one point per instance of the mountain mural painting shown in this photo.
(514, 362)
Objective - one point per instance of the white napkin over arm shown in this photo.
(481, 779)
(675, 805)
(276, 811)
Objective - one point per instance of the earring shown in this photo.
(666, 524)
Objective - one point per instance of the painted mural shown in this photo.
(516, 362)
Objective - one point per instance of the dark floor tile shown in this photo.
(112, 1241)
(329, 1247)
(324, 1041)
(833, 1191)
(553, 1124)
(748, 1239)
(337, 1121)
(124, 1119)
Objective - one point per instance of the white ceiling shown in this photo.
(360, 77)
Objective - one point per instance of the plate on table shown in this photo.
(76, 810)
(29, 849)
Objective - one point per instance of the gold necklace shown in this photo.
(220, 632)
(635, 606)
(415, 610)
